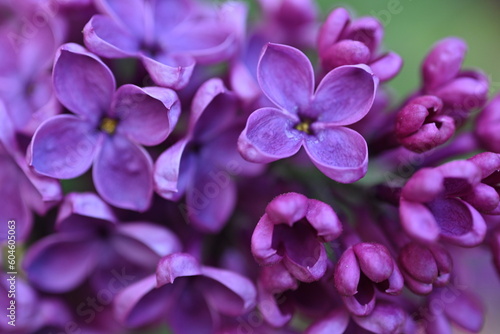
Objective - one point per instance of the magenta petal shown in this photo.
(347, 273)
(418, 221)
(324, 220)
(331, 30)
(262, 242)
(287, 208)
(306, 266)
(167, 170)
(468, 312)
(105, 38)
(123, 174)
(82, 82)
(340, 153)
(176, 265)
(232, 294)
(459, 222)
(387, 67)
(374, 260)
(460, 176)
(286, 76)
(385, 318)
(360, 308)
(334, 323)
(61, 262)
(147, 115)
(172, 72)
(345, 52)
(443, 62)
(345, 95)
(64, 147)
(425, 185)
(130, 14)
(270, 310)
(269, 136)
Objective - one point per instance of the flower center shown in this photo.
(304, 126)
(108, 125)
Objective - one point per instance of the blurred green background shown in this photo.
(418, 24)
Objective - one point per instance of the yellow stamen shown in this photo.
(303, 126)
(108, 125)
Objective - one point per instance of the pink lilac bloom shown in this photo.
(169, 37)
(315, 120)
(107, 131)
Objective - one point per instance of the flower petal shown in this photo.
(176, 265)
(146, 115)
(418, 221)
(385, 318)
(130, 14)
(262, 242)
(387, 67)
(345, 95)
(334, 323)
(107, 39)
(82, 82)
(286, 76)
(172, 71)
(425, 185)
(347, 273)
(61, 262)
(324, 220)
(340, 153)
(287, 208)
(64, 147)
(123, 174)
(269, 136)
(331, 30)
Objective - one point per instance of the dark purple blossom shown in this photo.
(91, 243)
(188, 296)
(106, 131)
(292, 232)
(202, 165)
(362, 268)
(169, 37)
(313, 120)
(342, 42)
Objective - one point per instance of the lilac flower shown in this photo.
(315, 121)
(485, 196)
(189, 296)
(22, 191)
(292, 231)
(420, 126)
(202, 164)
(106, 131)
(25, 86)
(432, 204)
(91, 243)
(487, 127)
(360, 269)
(342, 42)
(460, 91)
(424, 267)
(169, 37)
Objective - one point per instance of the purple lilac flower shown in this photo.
(487, 127)
(460, 91)
(485, 196)
(106, 131)
(362, 268)
(420, 125)
(292, 231)
(313, 120)
(22, 191)
(202, 165)
(433, 204)
(169, 37)
(189, 296)
(91, 243)
(342, 42)
(424, 267)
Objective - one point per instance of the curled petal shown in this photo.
(385, 318)
(418, 221)
(332, 29)
(488, 162)
(425, 185)
(483, 197)
(460, 176)
(430, 135)
(82, 82)
(334, 323)
(464, 93)
(286, 76)
(270, 309)
(387, 67)
(306, 266)
(346, 52)
(287, 208)
(123, 174)
(345, 95)
(347, 273)
(269, 136)
(340, 153)
(147, 115)
(262, 242)
(367, 30)
(176, 265)
(167, 171)
(374, 260)
(276, 278)
(360, 307)
(172, 71)
(324, 220)
(64, 147)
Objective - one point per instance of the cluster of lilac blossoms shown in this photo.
(175, 166)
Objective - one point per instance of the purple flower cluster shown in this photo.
(167, 166)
